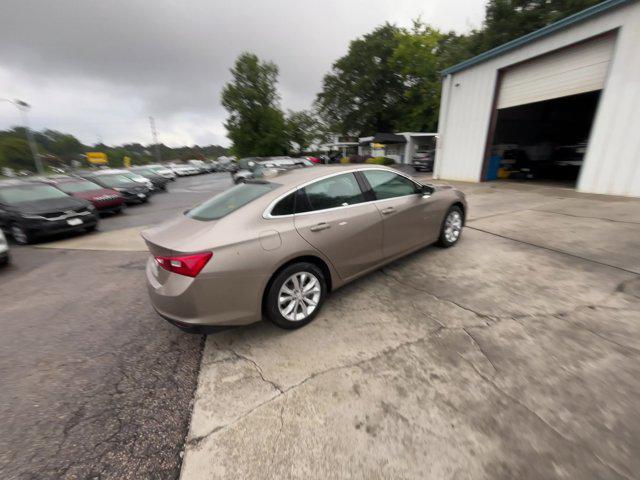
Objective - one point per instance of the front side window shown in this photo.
(226, 202)
(387, 184)
(337, 191)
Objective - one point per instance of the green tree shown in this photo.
(15, 153)
(256, 124)
(418, 60)
(303, 129)
(363, 92)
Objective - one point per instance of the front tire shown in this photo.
(451, 227)
(20, 235)
(295, 295)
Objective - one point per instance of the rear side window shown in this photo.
(388, 184)
(226, 202)
(332, 192)
(286, 206)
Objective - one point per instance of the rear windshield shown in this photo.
(79, 186)
(29, 193)
(226, 202)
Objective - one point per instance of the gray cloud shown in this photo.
(98, 69)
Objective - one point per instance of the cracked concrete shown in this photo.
(495, 359)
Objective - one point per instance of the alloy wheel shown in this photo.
(18, 234)
(452, 226)
(299, 296)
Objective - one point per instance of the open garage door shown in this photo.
(573, 70)
(545, 111)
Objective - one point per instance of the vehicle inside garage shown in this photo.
(542, 141)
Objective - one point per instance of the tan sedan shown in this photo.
(278, 246)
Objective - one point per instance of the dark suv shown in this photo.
(29, 210)
(132, 191)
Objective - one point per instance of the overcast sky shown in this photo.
(99, 68)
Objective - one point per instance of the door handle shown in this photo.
(388, 210)
(320, 226)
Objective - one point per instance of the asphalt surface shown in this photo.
(93, 383)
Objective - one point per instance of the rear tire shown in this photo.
(451, 228)
(295, 295)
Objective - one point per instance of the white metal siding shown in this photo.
(612, 162)
(576, 69)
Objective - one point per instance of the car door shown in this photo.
(334, 216)
(409, 217)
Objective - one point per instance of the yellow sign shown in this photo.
(127, 162)
(97, 158)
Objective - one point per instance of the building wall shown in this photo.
(612, 163)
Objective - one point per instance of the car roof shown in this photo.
(297, 176)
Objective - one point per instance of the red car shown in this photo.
(104, 199)
(314, 159)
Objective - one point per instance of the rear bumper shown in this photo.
(211, 300)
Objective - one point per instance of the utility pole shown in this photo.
(154, 134)
(24, 107)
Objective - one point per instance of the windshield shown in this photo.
(144, 171)
(79, 186)
(114, 180)
(29, 193)
(229, 201)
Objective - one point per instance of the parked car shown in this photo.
(200, 165)
(163, 171)
(277, 246)
(256, 167)
(105, 200)
(4, 249)
(32, 209)
(133, 192)
(159, 182)
(423, 161)
(183, 170)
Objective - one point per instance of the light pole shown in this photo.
(24, 108)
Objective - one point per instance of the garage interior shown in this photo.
(543, 141)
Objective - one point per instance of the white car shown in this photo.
(184, 170)
(163, 171)
(4, 249)
(199, 164)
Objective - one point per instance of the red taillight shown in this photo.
(189, 265)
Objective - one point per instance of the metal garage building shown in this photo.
(563, 100)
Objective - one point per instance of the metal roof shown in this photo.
(543, 32)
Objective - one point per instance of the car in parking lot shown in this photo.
(31, 209)
(105, 200)
(159, 182)
(163, 171)
(4, 249)
(132, 192)
(256, 167)
(277, 246)
(423, 161)
(183, 170)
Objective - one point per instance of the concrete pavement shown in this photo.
(513, 355)
(93, 384)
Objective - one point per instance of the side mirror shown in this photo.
(426, 191)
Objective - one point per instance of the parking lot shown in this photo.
(514, 354)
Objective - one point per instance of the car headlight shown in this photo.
(31, 217)
(118, 189)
